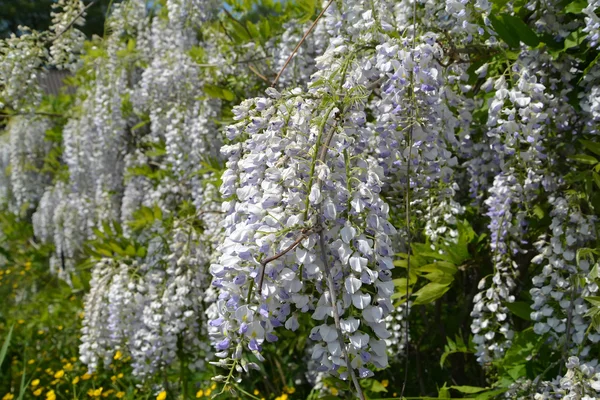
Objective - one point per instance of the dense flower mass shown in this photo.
(327, 187)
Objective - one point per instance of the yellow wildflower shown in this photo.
(118, 355)
(256, 392)
(162, 395)
(50, 395)
(21, 321)
(8, 396)
(75, 380)
(31, 361)
(289, 390)
(40, 332)
(59, 374)
(120, 395)
(98, 392)
(334, 391)
(37, 392)
(213, 386)
(199, 393)
(68, 367)
(385, 383)
(86, 376)
(60, 327)
(120, 375)
(35, 382)
(207, 392)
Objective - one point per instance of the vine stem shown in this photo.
(267, 260)
(407, 207)
(312, 26)
(328, 276)
(336, 314)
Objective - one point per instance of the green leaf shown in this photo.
(141, 252)
(228, 94)
(593, 300)
(525, 33)
(443, 392)
(468, 389)
(538, 211)
(596, 177)
(517, 371)
(584, 158)
(431, 292)
(498, 5)
(454, 346)
(130, 251)
(594, 147)
(491, 394)
(521, 309)
(574, 39)
(526, 343)
(140, 125)
(576, 7)
(4, 349)
(588, 69)
(440, 266)
(505, 33)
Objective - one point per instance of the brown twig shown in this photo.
(303, 235)
(261, 76)
(59, 34)
(300, 43)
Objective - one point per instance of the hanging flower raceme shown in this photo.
(148, 308)
(28, 149)
(20, 60)
(67, 41)
(559, 308)
(490, 314)
(306, 229)
(513, 150)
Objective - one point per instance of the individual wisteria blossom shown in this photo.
(464, 16)
(592, 22)
(580, 382)
(558, 292)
